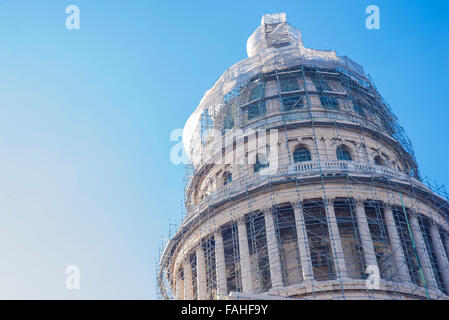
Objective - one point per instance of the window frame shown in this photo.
(302, 148)
(340, 155)
(253, 95)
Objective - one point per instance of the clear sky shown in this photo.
(86, 116)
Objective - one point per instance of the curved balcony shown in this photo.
(301, 170)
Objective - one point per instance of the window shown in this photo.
(378, 160)
(256, 109)
(256, 93)
(289, 84)
(292, 102)
(359, 109)
(227, 178)
(343, 153)
(330, 103)
(261, 163)
(301, 154)
(320, 84)
(228, 121)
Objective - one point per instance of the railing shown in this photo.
(301, 169)
(350, 167)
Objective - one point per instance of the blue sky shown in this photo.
(86, 116)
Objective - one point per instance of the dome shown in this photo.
(304, 186)
(275, 46)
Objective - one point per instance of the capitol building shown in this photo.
(302, 185)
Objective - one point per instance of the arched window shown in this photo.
(378, 160)
(227, 178)
(301, 154)
(261, 162)
(257, 106)
(256, 93)
(228, 121)
(343, 153)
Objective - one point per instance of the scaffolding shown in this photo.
(342, 194)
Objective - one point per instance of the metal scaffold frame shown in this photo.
(345, 198)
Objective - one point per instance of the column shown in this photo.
(201, 273)
(396, 246)
(220, 267)
(303, 243)
(365, 234)
(188, 289)
(273, 250)
(245, 261)
(324, 156)
(179, 287)
(441, 256)
(334, 235)
(421, 249)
